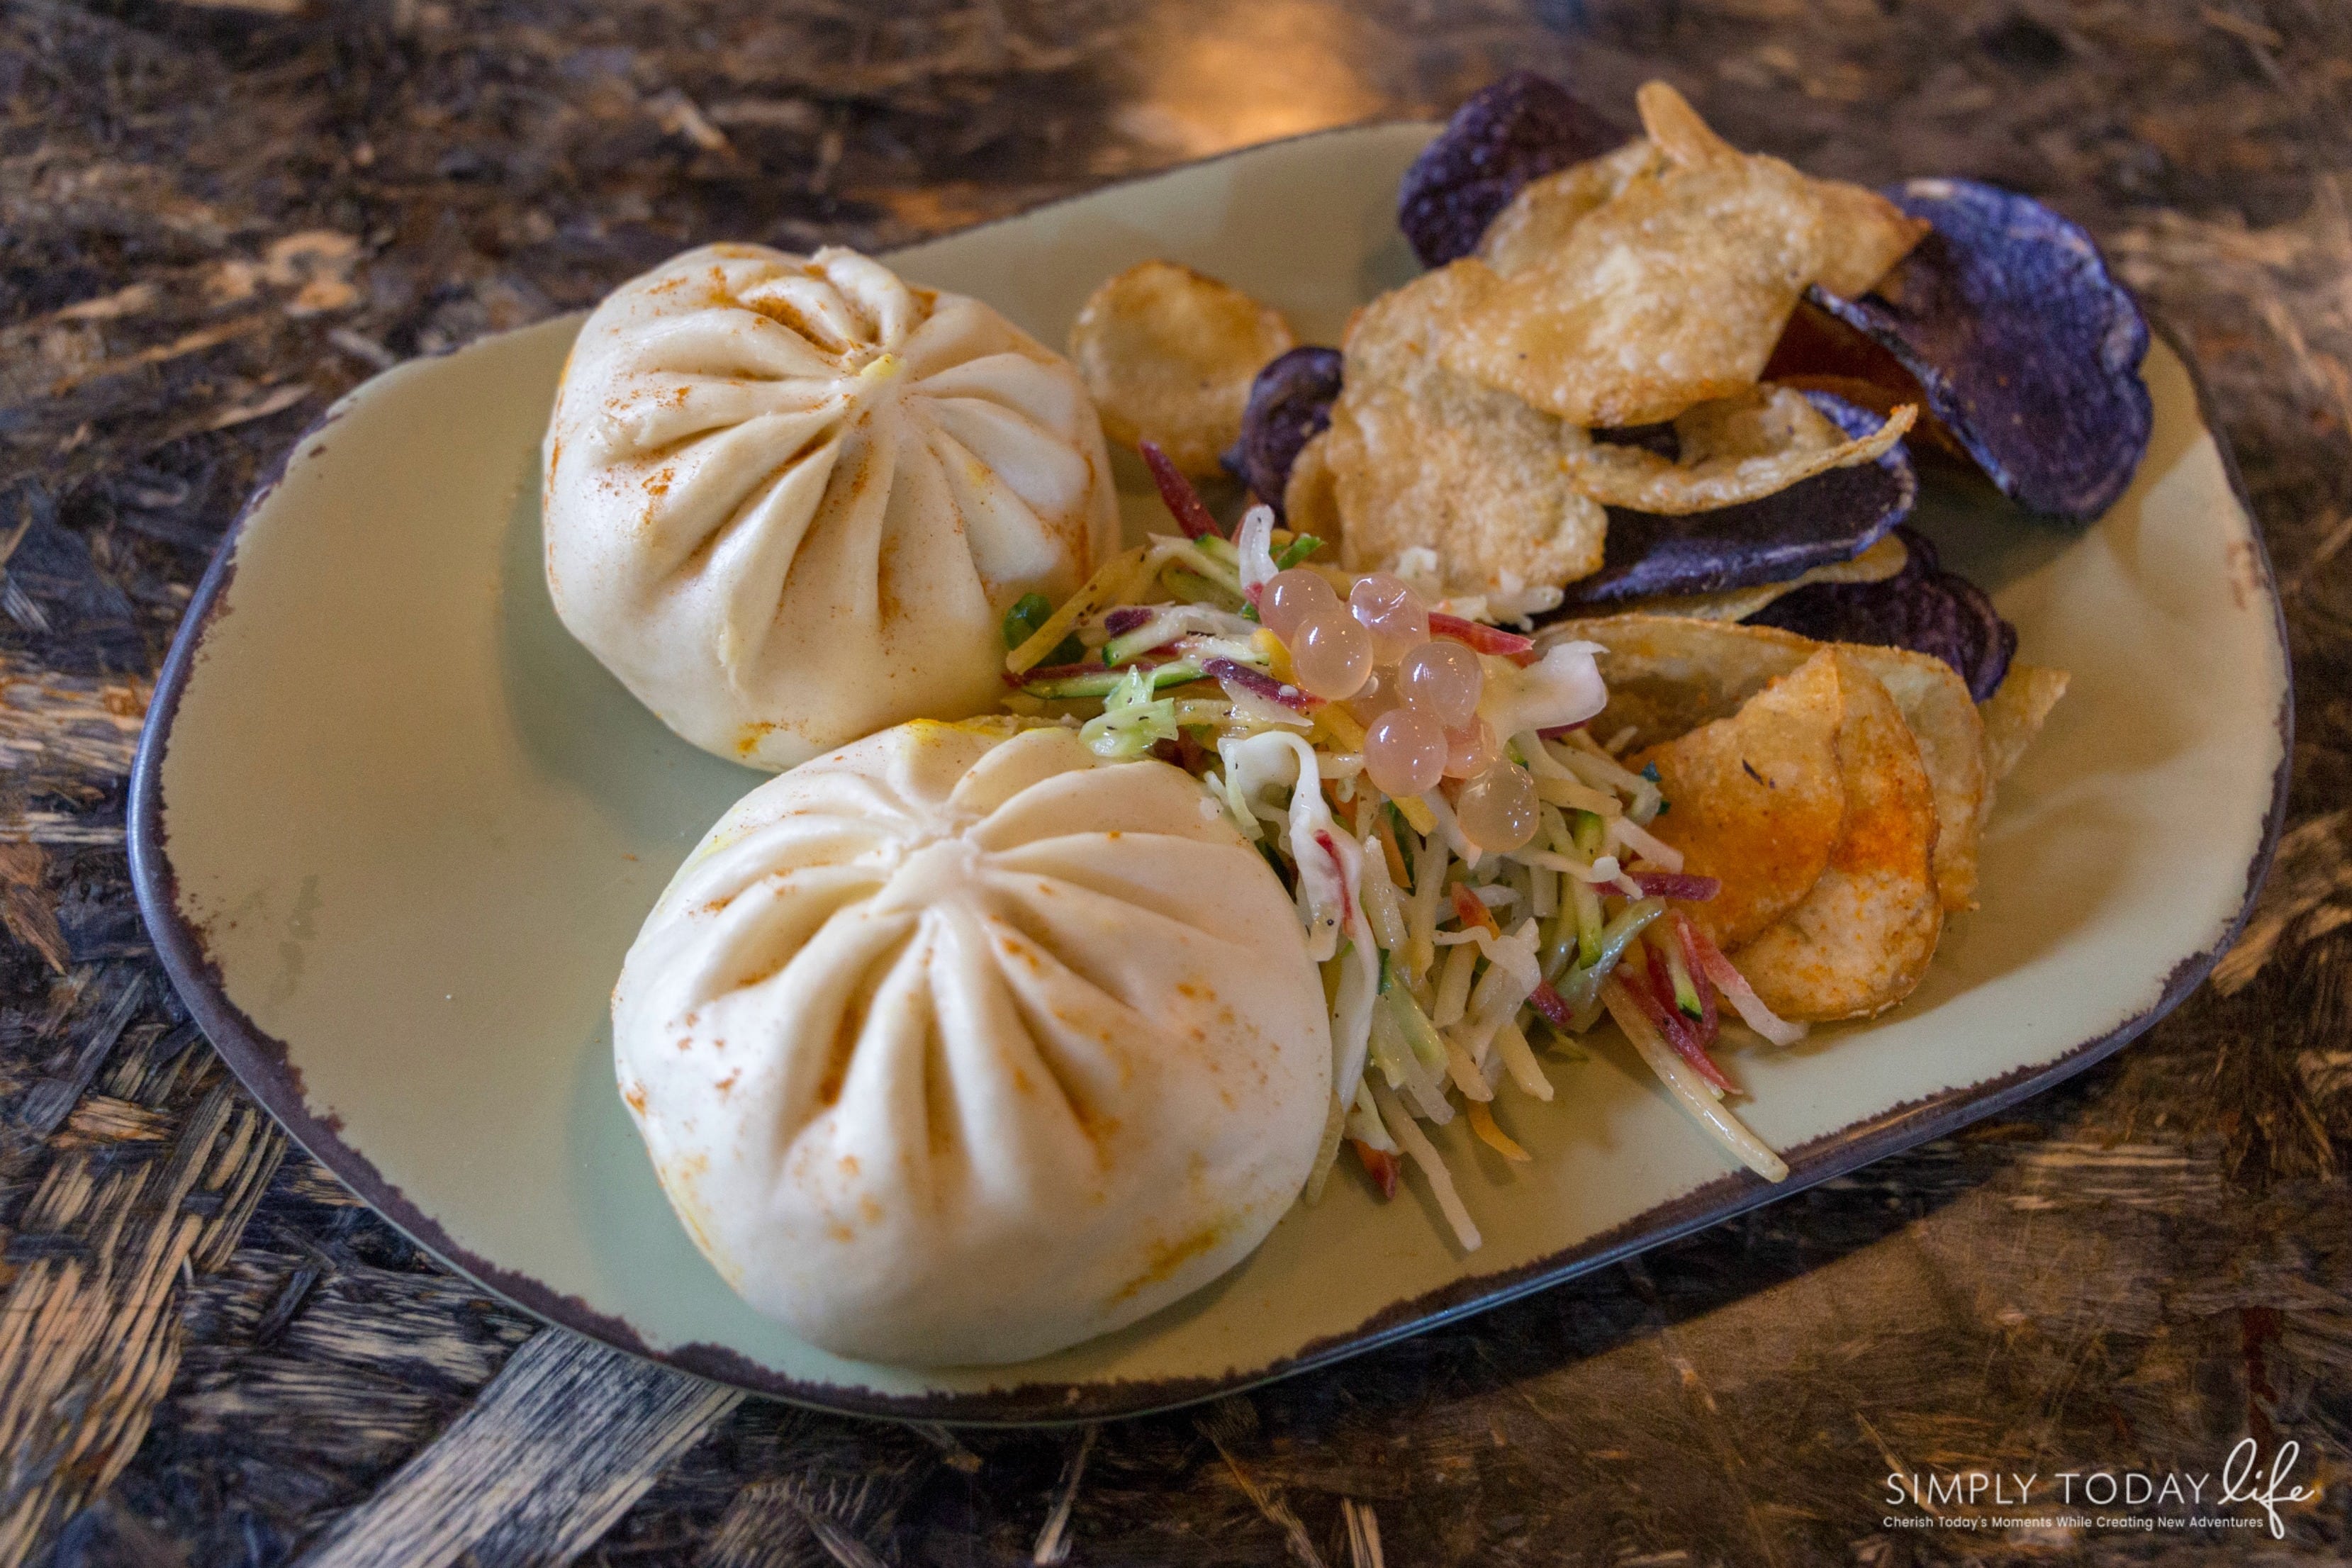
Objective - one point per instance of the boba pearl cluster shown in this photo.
(1417, 695)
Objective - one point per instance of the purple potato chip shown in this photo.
(1515, 129)
(1922, 607)
(1289, 403)
(1830, 516)
(2027, 348)
(1996, 643)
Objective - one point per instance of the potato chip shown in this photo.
(1942, 719)
(1670, 294)
(1923, 607)
(1667, 676)
(1863, 937)
(1675, 128)
(1823, 520)
(1818, 352)
(2027, 348)
(1629, 288)
(1875, 564)
(1864, 235)
(1289, 405)
(1538, 221)
(1422, 457)
(1734, 449)
(1169, 355)
(1310, 503)
(2013, 716)
(1756, 800)
(1517, 127)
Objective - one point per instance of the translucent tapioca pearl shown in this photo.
(1376, 696)
(1443, 678)
(1332, 654)
(1497, 810)
(1405, 751)
(1471, 749)
(1389, 609)
(1289, 598)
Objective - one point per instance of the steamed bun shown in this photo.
(960, 1044)
(789, 498)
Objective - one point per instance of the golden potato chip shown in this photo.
(1626, 306)
(1310, 504)
(1875, 564)
(1863, 236)
(1862, 937)
(1168, 353)
(1421, 457)
(1675, 127)
(1734, 450)
(2012, 716)
(1669, 294)
(1756, 800)
(1537, 222)
(1668, 675)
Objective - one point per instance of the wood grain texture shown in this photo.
(556, 1448)
(152, 1175)
(214, 219)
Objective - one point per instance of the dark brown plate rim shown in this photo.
(262, 1064)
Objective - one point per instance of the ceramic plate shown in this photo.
(392, 831)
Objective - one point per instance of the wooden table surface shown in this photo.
(215, 217)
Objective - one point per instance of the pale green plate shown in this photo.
(394, 830)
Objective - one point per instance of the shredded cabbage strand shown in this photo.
(1254, 541)
(1132, 722)
(1564, 686)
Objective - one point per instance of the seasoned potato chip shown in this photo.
(1668, 675)
(1422, 457)
(2013, 716)
(1862, 937)
(1942, 719)
(1734, 450)
(1875, 564)
(1309, 502)
(1756, 800)
(1168, 354)
(1538, 221)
